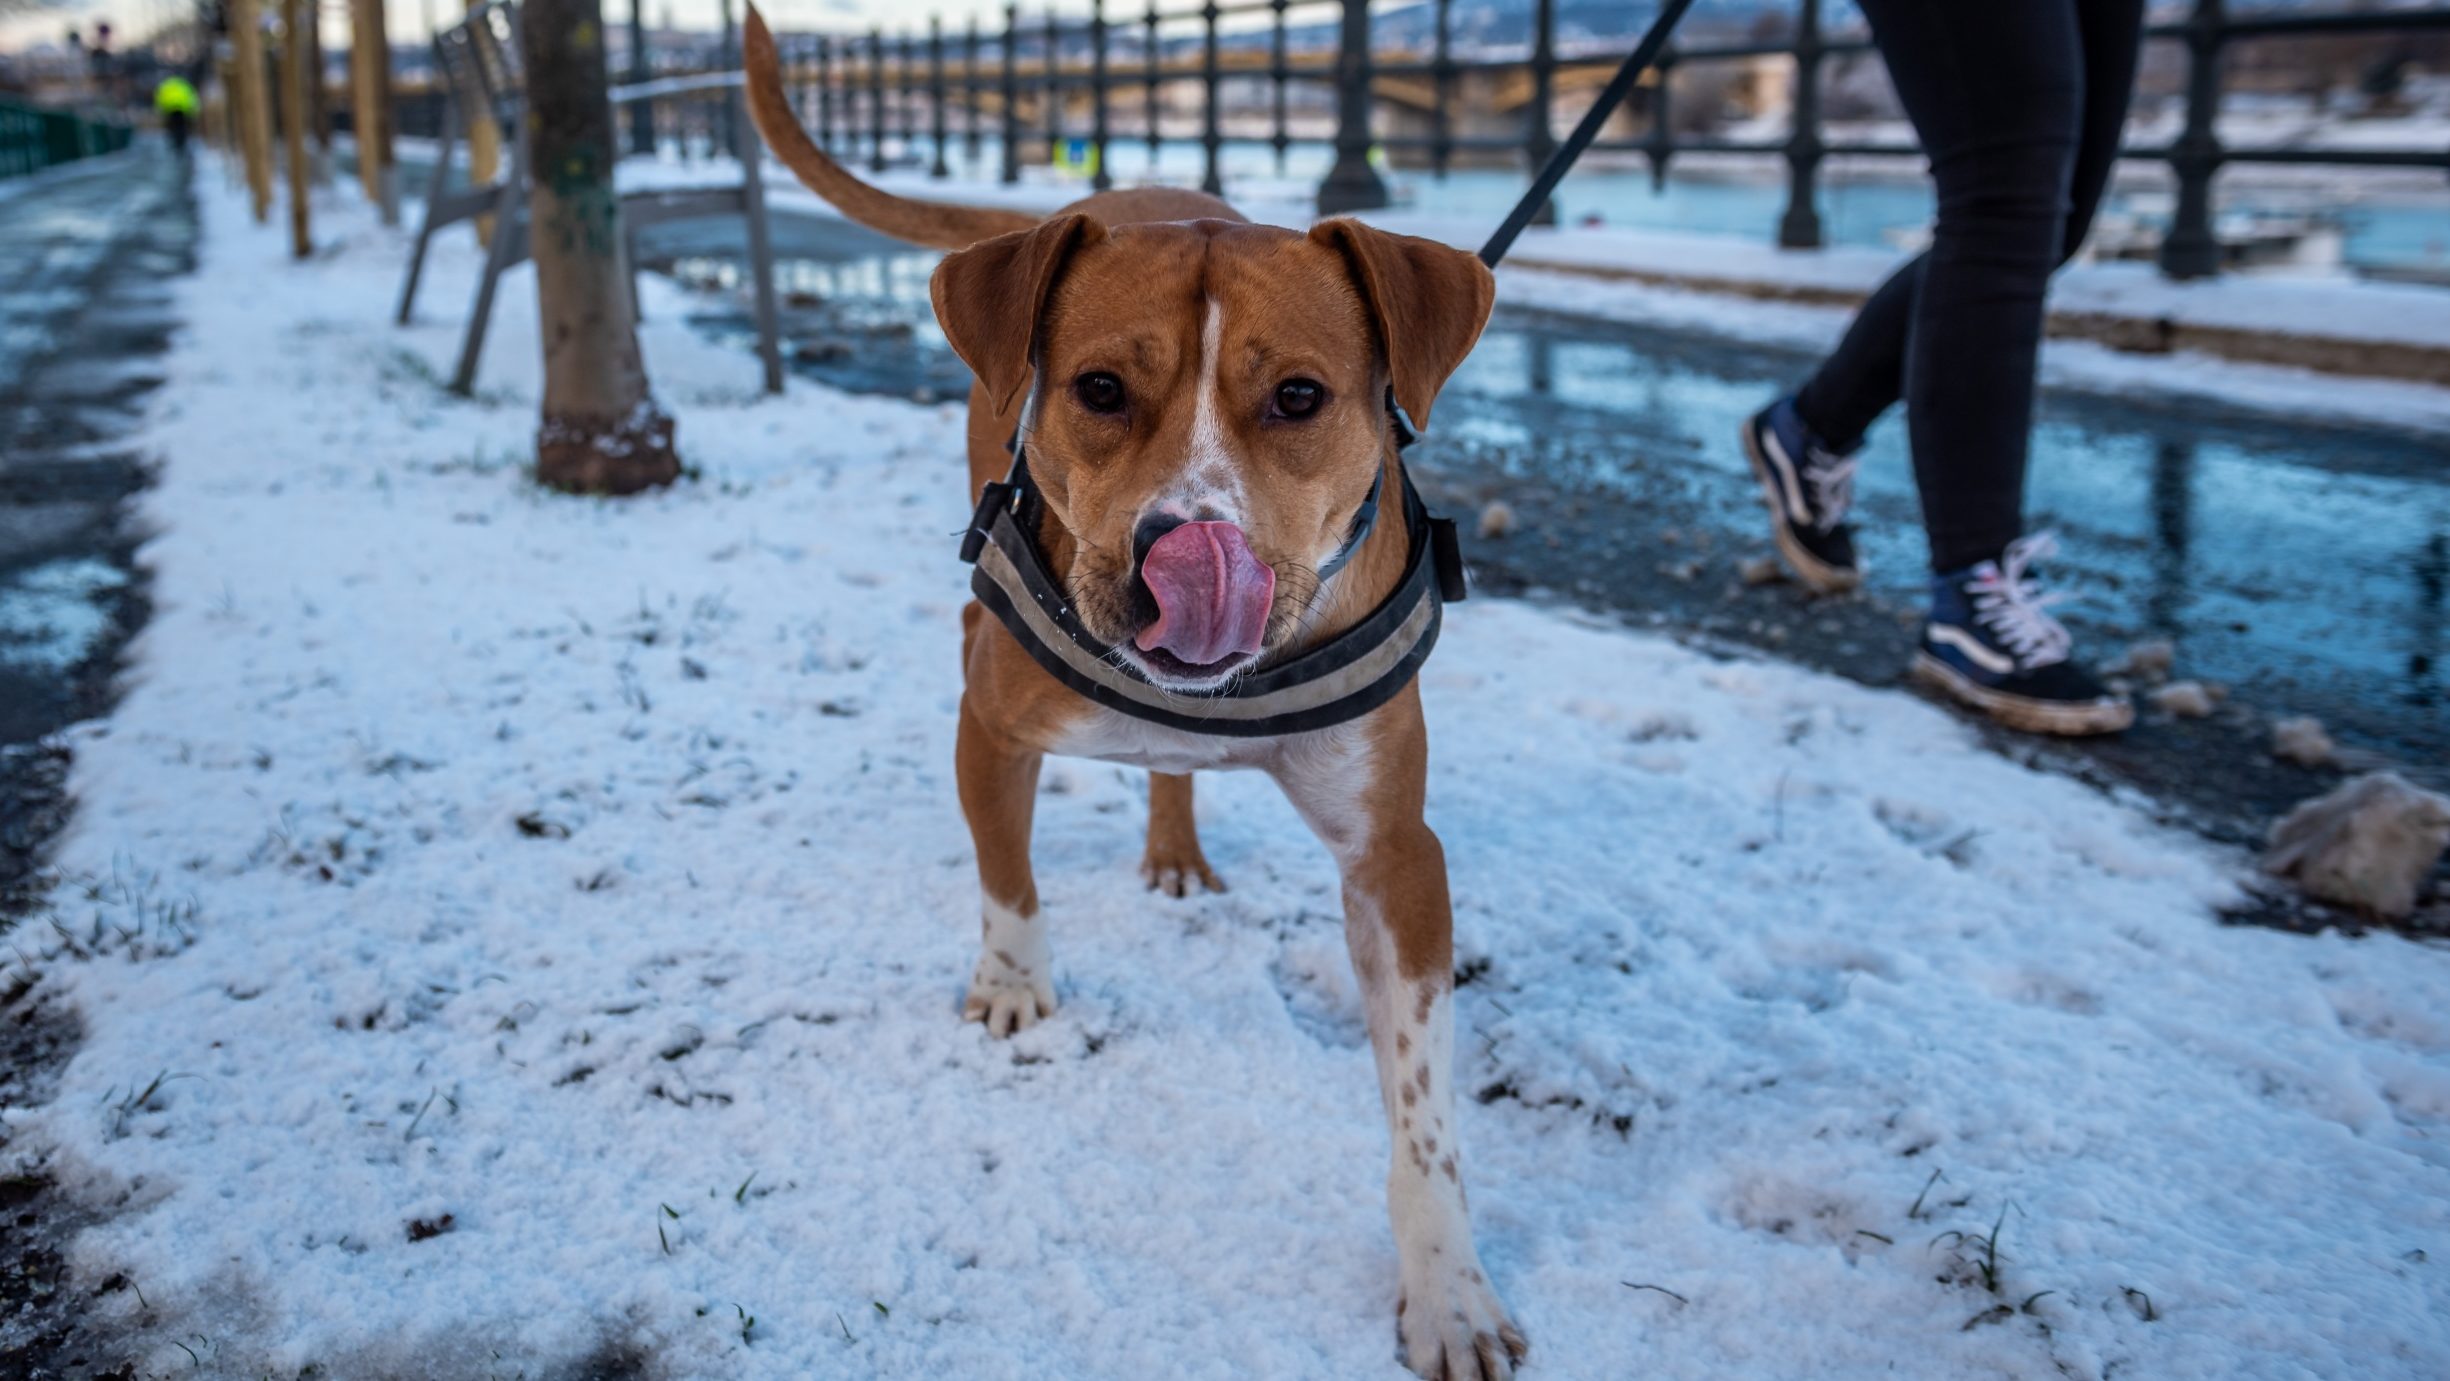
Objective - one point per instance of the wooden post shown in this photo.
(484, 152)
(295, 113)
(250, 109)
(370, 95)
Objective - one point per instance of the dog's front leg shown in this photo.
(1363, 797)
(1014, 984)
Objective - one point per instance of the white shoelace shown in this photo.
(1832, 478)
(2010, 605)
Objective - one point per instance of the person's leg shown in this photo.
(1996, 92)
(1866, 373)
(2110, 34)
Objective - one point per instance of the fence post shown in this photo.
(1539, 135)
(1211, 133)
(876, 100)
(728, 123)
(1054, 91)
(906, 93)
(935, 81)
(1800, 228)
(1660, 144)
(1442, 83)
(642, 113)
(1012, 93)
(1149, 56)
(969, 95)
(1352, 184)
(825, 93)
(2190, 249)
(1276, 75)
(1100, 179)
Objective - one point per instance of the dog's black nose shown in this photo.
(1151, 528)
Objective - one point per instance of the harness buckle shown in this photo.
(995, 498)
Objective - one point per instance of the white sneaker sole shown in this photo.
(2068, 719)
(1817, 575)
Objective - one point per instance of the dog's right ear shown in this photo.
(988, 298)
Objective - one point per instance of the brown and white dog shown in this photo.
(1202, 405)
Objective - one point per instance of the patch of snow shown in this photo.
(50, 615)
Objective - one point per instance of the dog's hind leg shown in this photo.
(1362, 792)
(1014, 984)
(1174, 864)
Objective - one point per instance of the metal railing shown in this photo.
(866, 92)
(33, 138)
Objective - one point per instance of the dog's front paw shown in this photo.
(1455, 1329)
(1178, 872)
(1008, 999)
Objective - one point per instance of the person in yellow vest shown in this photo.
(175, 101)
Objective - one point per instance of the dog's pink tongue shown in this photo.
(1212, 594)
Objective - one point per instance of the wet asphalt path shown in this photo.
(2305, 566)
(87, 255)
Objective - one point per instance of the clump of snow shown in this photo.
(2368, 844)
(588, 876)
(2301, 739)
(2149, 661)
(51, 616)
(2186, 699)
(1497, 520)
(1761, 570)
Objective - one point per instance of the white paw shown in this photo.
(1008, 1000)
(1454, 1329)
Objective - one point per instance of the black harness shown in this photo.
(1337, 681)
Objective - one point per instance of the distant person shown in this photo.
(2019, 105)
(175, 100)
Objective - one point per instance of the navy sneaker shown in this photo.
(1992, 644)
(1809, 488)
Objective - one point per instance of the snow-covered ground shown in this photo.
(512, 929)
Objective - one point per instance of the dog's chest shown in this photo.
(1110, 737)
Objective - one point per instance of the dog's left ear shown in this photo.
(1428, 301)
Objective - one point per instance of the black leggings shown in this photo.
(2019, 105)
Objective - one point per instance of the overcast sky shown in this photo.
(409, 18)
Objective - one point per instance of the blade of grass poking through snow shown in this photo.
(741, 1195)
(1916, 1212)
(411, 1133)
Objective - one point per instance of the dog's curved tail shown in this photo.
(936, 225)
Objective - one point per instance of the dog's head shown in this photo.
(1206, 409)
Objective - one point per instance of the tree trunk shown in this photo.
(601, 432)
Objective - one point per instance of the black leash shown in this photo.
(1553, 172)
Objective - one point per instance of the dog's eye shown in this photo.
(1299, 397)
(1099, 392)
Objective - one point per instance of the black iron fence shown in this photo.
(1096, 80)
(33, 138)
